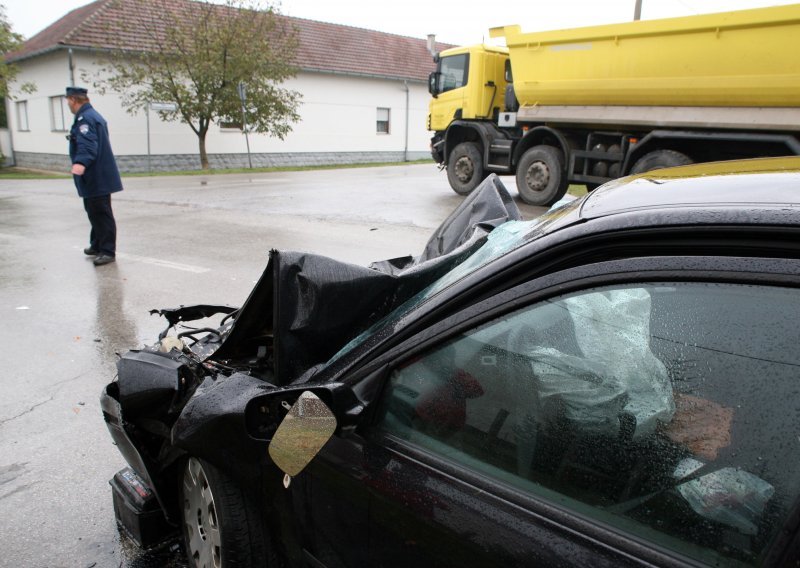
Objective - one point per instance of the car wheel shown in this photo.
(465, 168)
(222, 528)
(659, 159)
(540, 176)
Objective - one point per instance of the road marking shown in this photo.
(164, 263)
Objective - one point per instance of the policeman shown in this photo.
(95, 172)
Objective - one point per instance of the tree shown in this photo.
(195, 54)
(9, 41)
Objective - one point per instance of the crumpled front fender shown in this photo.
(212, 425)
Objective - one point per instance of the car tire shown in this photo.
(659, 159)
(465, 168)
(540, 176)
(221, 526)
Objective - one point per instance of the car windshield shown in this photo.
(499, 242)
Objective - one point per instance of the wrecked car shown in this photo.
(613, 383)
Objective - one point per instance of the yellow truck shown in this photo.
(587, 105)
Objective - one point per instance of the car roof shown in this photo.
(763, 183)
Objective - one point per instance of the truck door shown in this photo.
(449, 89)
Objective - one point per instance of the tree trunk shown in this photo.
(203, 155)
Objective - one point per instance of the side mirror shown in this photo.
(433, 84)
(307, 427)
(315, 413)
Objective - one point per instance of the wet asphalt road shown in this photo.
(181, 240)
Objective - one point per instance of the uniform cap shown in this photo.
(77, 91)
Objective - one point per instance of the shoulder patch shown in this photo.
(84, 128)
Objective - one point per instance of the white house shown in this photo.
(364, 99)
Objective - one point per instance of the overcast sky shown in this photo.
(453, 21)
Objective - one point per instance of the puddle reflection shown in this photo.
(115, 330)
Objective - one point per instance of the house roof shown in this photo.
(323, 47)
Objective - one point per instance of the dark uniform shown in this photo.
(89, 146)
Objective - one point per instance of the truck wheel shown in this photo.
(540, 176)
(659, 159)
(221, 525)
(465, 168)
(613, 169)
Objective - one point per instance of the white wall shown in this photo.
(6, 148)
(338, 114)
(50, 73)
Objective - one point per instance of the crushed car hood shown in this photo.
(306, 307)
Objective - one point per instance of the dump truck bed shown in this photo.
(737, 59)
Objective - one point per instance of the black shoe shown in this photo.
(89, 251)
(102, 259)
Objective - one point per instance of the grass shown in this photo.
(577, 190)
(20, 173)
(275, 169)
(298, 439)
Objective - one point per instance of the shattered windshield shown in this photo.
(500, 241)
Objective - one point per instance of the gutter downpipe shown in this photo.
(405, 150)
(71, 68)
(12, 159)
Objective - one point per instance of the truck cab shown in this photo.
(468, 84)
(467, 90)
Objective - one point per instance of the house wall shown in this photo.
(5, 148)
(338, 124)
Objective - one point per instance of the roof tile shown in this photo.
(323, 47)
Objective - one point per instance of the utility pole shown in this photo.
(637, 10)
(243, 96)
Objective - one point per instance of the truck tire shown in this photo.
(221, 525)
(659, 159)
(540, 176)
(465, 168)
(614, 167)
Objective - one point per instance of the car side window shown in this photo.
(668, 410)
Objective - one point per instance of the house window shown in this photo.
(383, 121)
(22, 116)
(59, 113)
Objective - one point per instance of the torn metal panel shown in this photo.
(190, 313)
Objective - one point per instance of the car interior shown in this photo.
(641, 406)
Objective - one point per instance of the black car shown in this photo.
(615, 383)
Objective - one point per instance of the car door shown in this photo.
(628, 413)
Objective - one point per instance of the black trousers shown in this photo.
(103, 236)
